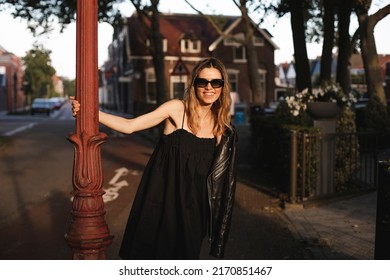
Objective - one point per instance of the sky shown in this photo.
(16, 38)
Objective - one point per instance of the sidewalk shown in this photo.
(339, 230)
(333, 230)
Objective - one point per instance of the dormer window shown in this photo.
(258, 41)
(239, 39)
(190, 46)
(235, 40)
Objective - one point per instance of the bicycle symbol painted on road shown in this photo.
(112, 193)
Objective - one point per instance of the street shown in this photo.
(36, 183)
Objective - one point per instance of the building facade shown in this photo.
(12, 98)
(128, 78)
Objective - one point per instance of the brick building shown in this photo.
(12, 98)
(187, 38)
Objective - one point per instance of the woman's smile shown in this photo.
(208, 94)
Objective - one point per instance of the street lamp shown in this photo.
(88, 234)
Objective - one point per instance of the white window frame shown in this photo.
(263, 81)
(258, 41)
(235, 81)
(241, 59)
(234, 40)
(190, 46)
(150, 77)
(178, 79)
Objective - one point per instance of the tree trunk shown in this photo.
(254, 78)
(369, 52)
(302, 67)
(327, 47)
(158, 56)
(151, 13)
(344, 46)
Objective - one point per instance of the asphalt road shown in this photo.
(36, 182)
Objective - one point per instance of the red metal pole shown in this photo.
(88, 234)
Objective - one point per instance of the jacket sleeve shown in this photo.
(225, 209)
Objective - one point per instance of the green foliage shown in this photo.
(347, 149)
(283, 114)
(69, 87)
(272, 142)
(376, 117)
(38, 73)
(41, 14)
(272, 138)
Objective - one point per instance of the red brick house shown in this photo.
(187, 38)
(12, 98)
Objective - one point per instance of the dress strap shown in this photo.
(184, 114)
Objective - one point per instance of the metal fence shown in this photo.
(330, 164)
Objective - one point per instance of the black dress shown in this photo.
(169, 216)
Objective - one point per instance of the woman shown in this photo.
(187, 188)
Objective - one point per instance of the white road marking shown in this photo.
(123, 171)
(112, 193)
(19, 129)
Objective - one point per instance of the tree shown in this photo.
(302, 65)
(328, 42)
(252, 59)
(40, 14)
(297, 10)
(69, 87)
(38, 72)
(368, 48)
(344, 45)
(148, 15)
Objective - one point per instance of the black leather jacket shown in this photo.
(221, 186)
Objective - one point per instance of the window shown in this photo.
(239, 38)
(233, 79)
(262, 74)
(151, 93)
(189, 46)
(178, 85)
(165, 45)
(239, 54)
(164, 42)
(258, 41)
(235, 40)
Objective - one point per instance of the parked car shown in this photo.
(41, 105)
(56, 102)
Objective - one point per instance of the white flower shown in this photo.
(330, 91)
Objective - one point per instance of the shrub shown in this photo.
(375, 117)
(347, 149)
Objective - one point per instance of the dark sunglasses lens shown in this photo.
(217, 83)
(202, 83)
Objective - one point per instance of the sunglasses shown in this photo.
(202, 83)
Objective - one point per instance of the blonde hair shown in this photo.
(220, 109)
